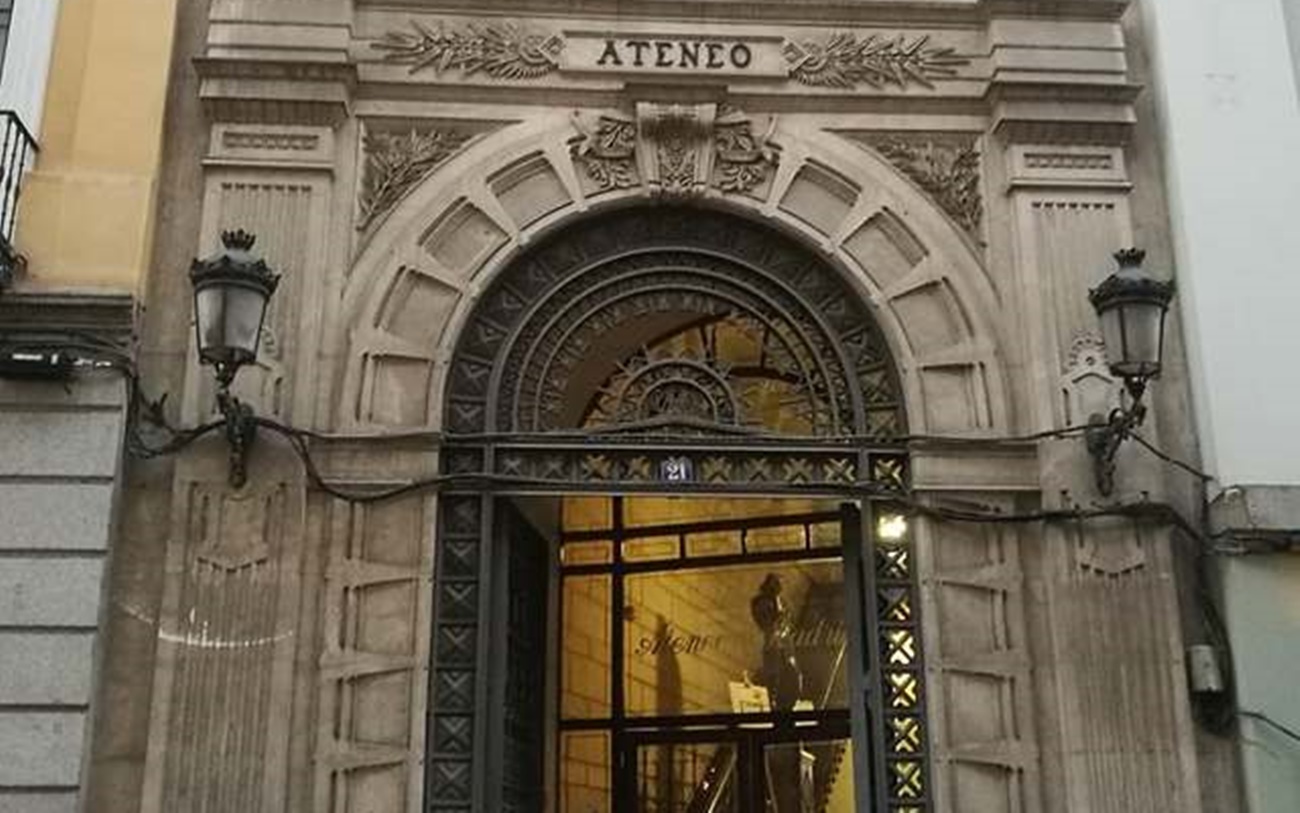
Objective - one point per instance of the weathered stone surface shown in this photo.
(40, 669)
(50, 592)
(40, 748)
(55, 516)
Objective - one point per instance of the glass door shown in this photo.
(704, 663)
(743, 770)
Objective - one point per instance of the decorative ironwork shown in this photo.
(948, 171)
(17, 153)
(642, 466)
(455, 651)
(648, 351)
(901, 674)
(499, 50)
(845, 61)
(814, 344)
(397, 161)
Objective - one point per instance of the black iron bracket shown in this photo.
(1104, 436)
(241, 431)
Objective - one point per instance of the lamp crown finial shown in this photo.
(238, 240)
(1130, 257)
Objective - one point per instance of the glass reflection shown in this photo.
(709, 640)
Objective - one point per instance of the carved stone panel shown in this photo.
(981, 694)
(945, 166)
(373, 676)
(228, 635)
(396, 161)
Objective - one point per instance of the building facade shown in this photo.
(663, 407)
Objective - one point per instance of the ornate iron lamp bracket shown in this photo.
(241, 431)
(1105, 434)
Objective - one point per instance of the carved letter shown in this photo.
(662, 59)
(690, 54)
(610, 55)
(715, 55)
(741, 56)
(638, 49)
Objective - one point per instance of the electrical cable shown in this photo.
(141, 409)
(1170, 459)
(1269, 721)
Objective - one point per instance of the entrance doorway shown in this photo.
(700, 624)
(704, 656)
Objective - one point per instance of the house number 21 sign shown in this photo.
(676, 469)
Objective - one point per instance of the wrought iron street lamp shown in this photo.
(231, 292)
(1132, 306)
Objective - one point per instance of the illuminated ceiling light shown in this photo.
(891, 528)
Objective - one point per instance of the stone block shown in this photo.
(50, 592)
(96, 389)
(55, 516)
(63, 801)
(60, 443)
(40, 748)
(45, 669)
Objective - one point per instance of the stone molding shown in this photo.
(108, 317)
(510, 50)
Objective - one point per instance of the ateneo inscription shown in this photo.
(604, 52)
(668, 53)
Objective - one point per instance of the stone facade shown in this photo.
(966, 167)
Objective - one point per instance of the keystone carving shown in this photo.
(676, 159)
(675, 149)
(845, 61)
(499, 50)
(948, 171)
(397, 161)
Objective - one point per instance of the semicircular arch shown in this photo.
(413, 289)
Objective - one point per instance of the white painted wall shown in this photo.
(27, 60)
(1228, 86)
(1227, 89)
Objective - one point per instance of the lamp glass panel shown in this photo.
(210, 308)
(1112, 332)
(244, 308)
(1144, 322)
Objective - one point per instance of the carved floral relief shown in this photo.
(499, 50)
(844, 60)
(946, 169)
(508, 50)
(607, 150)
(745, 159)
(397, 161)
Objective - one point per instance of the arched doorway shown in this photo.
(671, 400)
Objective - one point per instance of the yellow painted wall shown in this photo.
(87, 207)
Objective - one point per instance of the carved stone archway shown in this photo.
(630, 352)
(434, 263)
(423, 267)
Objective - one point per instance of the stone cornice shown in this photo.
(106, 317)
(844, 12)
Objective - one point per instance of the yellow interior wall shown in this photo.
(87, 209)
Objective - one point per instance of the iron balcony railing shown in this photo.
(17, 150)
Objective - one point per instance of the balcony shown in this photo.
(17, 151)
